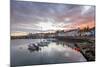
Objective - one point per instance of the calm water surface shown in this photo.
(53, 52)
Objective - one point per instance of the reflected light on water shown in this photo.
(55, 52)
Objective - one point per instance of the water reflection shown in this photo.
(49, 51)
(49, 46)
(38, 45)
(32, 50)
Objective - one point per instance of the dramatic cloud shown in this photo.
(38, 17)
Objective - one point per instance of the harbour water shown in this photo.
(51, 53)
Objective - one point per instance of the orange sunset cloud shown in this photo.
(80, 25)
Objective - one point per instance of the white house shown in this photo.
(69, 33)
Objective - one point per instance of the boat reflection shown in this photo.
(33, 50)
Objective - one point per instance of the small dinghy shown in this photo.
(33, 46)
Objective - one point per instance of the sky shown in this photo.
(35, 17)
